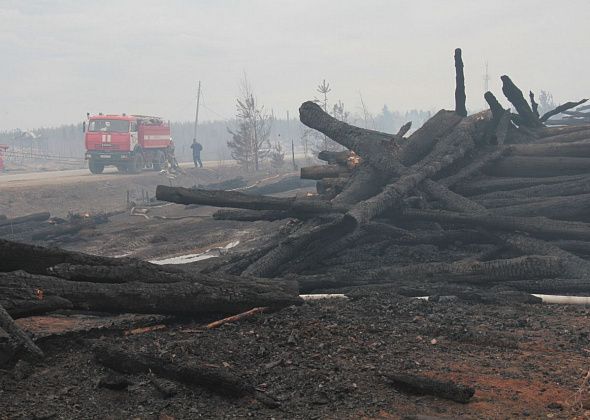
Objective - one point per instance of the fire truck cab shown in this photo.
(129, 142)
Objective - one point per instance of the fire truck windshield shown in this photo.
(116, 126)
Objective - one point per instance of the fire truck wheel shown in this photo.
(136, 164)
(95, 167)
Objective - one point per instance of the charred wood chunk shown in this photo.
(403, 130)
(216, 379)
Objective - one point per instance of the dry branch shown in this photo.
(238, 317)
(561, 108)
(515, 96)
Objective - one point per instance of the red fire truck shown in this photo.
(129, 142)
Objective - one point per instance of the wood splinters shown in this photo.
(244, 315)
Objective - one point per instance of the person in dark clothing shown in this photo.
(197, 147)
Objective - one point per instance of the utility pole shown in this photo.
(197, 111)
(292, 143)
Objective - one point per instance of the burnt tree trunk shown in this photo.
(212, 295)
(213, 378)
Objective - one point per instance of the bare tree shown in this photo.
(546, 102)
(368, 118)
(339, 112)
(307, 138)
(250, 142)
(277, 156)
(319, 141)
(324, 89)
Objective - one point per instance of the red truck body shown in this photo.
(129, 142)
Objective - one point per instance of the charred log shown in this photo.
(35, 217)
(341, 158)
(515, 96)
(21, 338)
(216, 379)
(36, 259)
(253, 215)
(323, 171)
(460, 85)
(236, 199)
(486, 185)
(538, 226)
(211, 295)
(561, 108)
(538, 167)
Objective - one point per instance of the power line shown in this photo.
(204, 104)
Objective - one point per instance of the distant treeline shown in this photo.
(68, 140)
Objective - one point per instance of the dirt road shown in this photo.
(28, 179)
(78, 191)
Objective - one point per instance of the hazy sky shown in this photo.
(62, 58)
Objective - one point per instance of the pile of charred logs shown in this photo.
(35, 280)
(494, 199)
(41, 227)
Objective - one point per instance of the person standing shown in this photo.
(197, 147)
